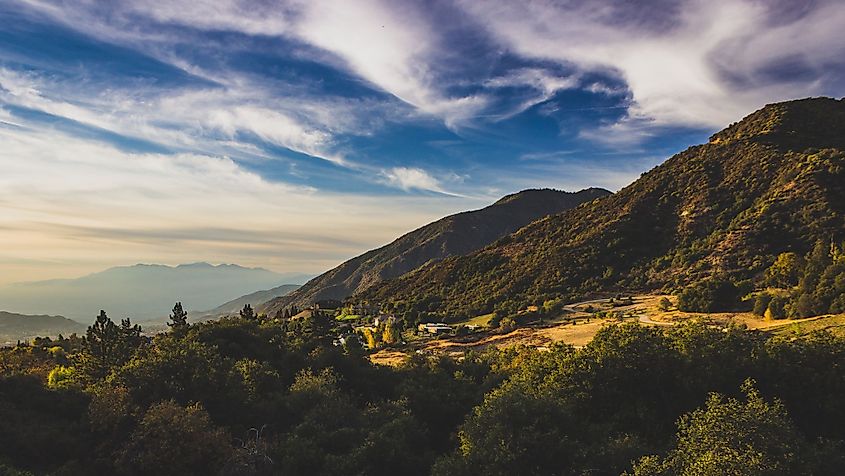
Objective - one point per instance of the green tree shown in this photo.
(776, 309)
(710, 295)
(761, 303)
(130, 339)
(664, 304)
(179, 317)
(785, 271)
(247, 312)
(731, 437)
(102, 350)
(175, 440)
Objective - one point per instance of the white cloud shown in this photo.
(83, 206)
(186, 118)
(394, 46)
(410, 178)
(542, 82)
(675, 67)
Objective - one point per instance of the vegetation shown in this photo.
(294, 393)
(454, 235)
(773, 183)
(253, 395)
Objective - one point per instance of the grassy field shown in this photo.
(834, 324)
(482, 320)
(644, 309)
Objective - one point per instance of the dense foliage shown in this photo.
(251, 395)
(770, 184)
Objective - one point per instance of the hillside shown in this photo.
(773, 182)
(453, 235)
(253, 299)
(15, 327)
(142, 291)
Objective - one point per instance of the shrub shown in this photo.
(776, 309)
(761, 303)
(61, 377)
(711, 295)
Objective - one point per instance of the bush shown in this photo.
(711, 295)
(61, 377)
(508, 324)
(761, 303)
(776, 309)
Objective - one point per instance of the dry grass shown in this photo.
(392, 358)
(561, 329)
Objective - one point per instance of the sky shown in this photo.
(293, 135)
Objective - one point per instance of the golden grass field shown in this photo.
(643, 309)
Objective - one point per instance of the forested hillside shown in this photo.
(257, 396)
(15, 327)
(454, 235)
(772, 183)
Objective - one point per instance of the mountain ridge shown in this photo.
(452, 235)
(140, 291)
(772, 182)
(254, 299)
(15, 326)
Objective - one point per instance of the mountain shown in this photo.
(774, 182)
(454, 235)
(15, 327)
(142, 291)
(253, 299)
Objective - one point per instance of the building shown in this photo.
(435, 328)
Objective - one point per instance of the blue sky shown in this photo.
(295, 134)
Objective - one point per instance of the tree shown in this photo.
(247, 312)
(664, 305)
(729, 436)
(130, 339)
(174, 440)
(785, 271)
(512, 433)
(761, 303)
(179, 317)
(102, 348)
(711, 295)
(392, 332)
(776, 309)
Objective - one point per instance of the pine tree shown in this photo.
(101, 353)
(247, 312)
(179, 318)
(130, 339)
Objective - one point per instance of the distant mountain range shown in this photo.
(253, 299)
(14, 327)
(454, 235)
(142, 291)
(772, 183)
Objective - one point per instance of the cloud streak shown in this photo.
(173, 130)
(69, 201)
(676, 66)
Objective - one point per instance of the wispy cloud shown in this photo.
(202, 118)
(413, 178)
(173, 208)
(686, 62)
